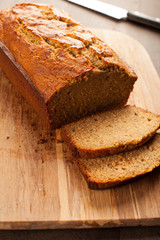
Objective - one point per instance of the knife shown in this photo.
(118, 13)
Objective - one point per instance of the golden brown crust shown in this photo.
(55, 52)
(23, 34)
(48, 73)
(14, 71)
(35, 30)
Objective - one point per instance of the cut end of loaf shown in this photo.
(99, 92)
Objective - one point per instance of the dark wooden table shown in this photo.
(150, 39)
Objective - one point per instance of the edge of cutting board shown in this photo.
(100, 220)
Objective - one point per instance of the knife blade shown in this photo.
(118, 13)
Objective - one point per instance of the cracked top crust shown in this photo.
(54, 49)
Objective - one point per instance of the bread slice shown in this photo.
(101, 173)
(111, 132)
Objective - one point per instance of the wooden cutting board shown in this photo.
(40, 185)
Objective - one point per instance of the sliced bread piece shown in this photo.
(111, 132)
(101, 173)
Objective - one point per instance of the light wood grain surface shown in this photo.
(40, 185)
(150, 40)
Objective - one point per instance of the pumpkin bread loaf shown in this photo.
(109, 171)
(111, 131)
(59, 66)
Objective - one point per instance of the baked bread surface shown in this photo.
(72, 72)
(111, 132)
(110, 171)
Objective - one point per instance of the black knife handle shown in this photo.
(144, 19)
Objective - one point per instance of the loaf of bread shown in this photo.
(110, 132)
(102, 173)
(59, 66)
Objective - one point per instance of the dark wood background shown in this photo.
(150, 39)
